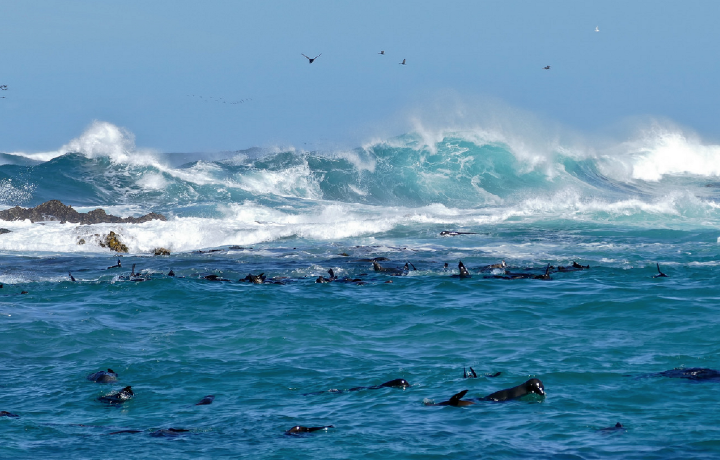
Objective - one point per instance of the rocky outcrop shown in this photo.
(54, 210)
(111, 241)
(162, 252)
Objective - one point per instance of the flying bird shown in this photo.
(597, 29)
(312, 59)
(382, 52)
(403, 62)
(547, 67)
(3, 87)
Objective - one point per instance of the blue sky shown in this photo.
(143, 65)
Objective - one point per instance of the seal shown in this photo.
(168, 433)
(546, 276)
(255, 279)
(72, 278)
(464, 273)
(613, 429)
(451, 233)
(4, 413)
(693, 373)
(502, 265)
(395, 383)
(125, 431)
(393, 271)
(215, 278)
(299, 429)
(103, 376)
(531, 386)
(660, 274)
(206, 400)
(455, 401)
(118, 397)
(332, 278)
(119, 265)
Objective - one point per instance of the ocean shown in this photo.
(598, 338)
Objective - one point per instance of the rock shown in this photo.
(162, 252)
(111, 241)
(4, 230)
(81, 241)
(54, 210)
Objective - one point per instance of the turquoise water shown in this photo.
(594, 337)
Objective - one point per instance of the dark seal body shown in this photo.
(299, 429)
(103, 376)
(455, 401)
(531, 386)
(693, 373)
(118, 397)
(206, 400)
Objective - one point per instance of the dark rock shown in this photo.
(162, 252)
(4, 230)
(54, 210)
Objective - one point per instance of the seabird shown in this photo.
(403, 62)
(382, 52)
(547, 67)
(3, 87)
(597, 29)
(312, 59)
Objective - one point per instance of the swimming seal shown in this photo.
(451, 233)
(299, 429)
(455, 401)
(125, 431)
(502, 265)
(613, 429)
(103, 376)
(119, 265)
(464, 273)
(396, 383)
(4, 413)
(206, 400)
(327, 280)
(546, 276)
(255, 279)
(473, 375)
(693, 373)
(118, 397)
(660, 274)
(215, 278)
(531, 386)
(168, 433)
(378, 268)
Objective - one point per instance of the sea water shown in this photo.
(596, 337)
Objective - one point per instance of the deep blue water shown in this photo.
(594, 337)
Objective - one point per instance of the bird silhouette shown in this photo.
(403, 62)
(381, 52)
(547, 67)
(597, 29)
(312, 59)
